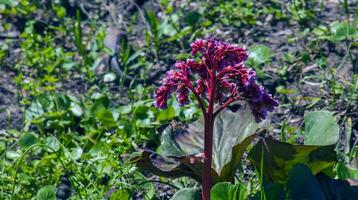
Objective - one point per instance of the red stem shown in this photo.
(208, 143)
(208, 139)
(228, 102)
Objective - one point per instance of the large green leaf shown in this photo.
(187, 194)
(228, 191)
(172, 167)
(233, 132)
(46, 193)
(320, 128)
(337, 189)
(230, 129)
(302, 184)
(279, 158)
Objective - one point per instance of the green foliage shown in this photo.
(228, 191)
(46, 193)
(259, 54)
(65, 111)
(318, 152)
(321, 128)
(26, 140)
(233, 132)
(187, 194)
(121, 194)
(302, 184)
(279, 158)
(342, 31)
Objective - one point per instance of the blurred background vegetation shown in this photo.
(77, 81)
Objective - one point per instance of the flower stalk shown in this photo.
(218, 78)
(208, 148)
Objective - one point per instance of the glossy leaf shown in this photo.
(187, 194)
(76, 109)
(302, 184)
(233, 132)
(279, 158)
(320, 128)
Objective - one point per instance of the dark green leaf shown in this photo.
(26, 140)
(187, 194)
(337, 189)
(303, 185)
(192, 18)
(46, 193)
(279, 158)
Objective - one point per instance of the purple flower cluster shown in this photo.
(220, 76)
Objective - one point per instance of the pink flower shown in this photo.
(220, 75)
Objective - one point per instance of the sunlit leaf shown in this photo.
(166, 115)
(53, 143)
(259, 54)
(46, 193)
(187, 194)
(320, 128)
(121, 194)
(233, 132)
(341, 31)
(109, 77)
(279, 158)
(228, 191)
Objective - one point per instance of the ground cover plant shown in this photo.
(265, 108)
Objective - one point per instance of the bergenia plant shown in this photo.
(218, 78)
